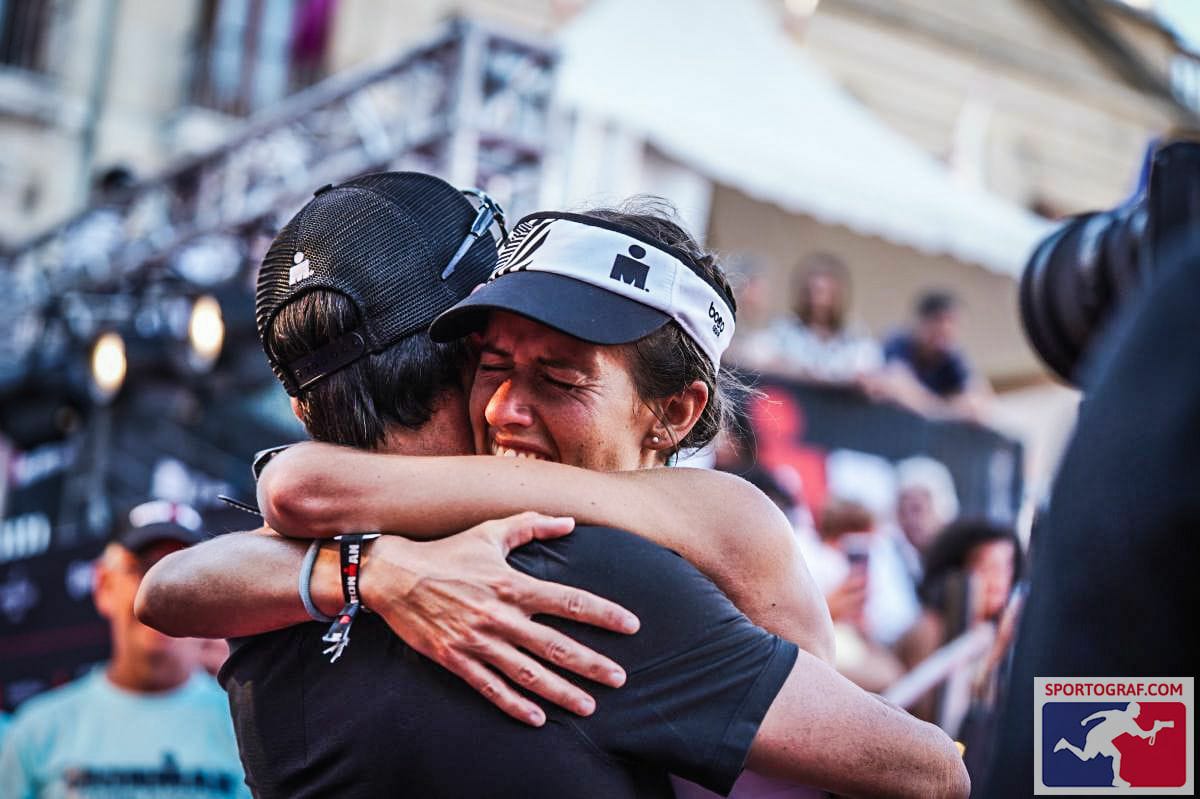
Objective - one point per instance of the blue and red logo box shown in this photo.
(1106, 736)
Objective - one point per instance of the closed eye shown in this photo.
(559, 383)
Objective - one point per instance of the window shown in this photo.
(23, 33)
(253, 53)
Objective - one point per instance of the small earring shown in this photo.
(655, 440)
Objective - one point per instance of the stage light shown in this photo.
(108, 366)
(210, 260)
(206, 332)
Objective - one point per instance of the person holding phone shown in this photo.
(840, 560)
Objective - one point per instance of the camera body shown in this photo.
(1083, 272)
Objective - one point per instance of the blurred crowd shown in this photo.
(920, 367)
(909, 580)
(904, 574)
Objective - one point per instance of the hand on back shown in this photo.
(458, 602)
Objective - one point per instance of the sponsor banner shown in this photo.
(1109, 736)
(49, 629)
(797, 426)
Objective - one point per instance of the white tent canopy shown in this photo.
(719, 86)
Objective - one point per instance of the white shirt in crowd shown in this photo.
(789, 346)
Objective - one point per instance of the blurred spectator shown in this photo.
(839, 560)
(148, 723)
(925, 503)
(213, 654)
(112, 185)
(926, 371)
(749, 277)
(817, 341)
(970, 570)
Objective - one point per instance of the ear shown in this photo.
(677, 415)
(102, 586)
(296, 408)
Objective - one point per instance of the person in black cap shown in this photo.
(926, 371)
(344, 298)
(705, 675)
(147, 720)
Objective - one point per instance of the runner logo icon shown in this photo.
(1107, 736)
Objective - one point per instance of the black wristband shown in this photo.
(351, 557)
(351, 547)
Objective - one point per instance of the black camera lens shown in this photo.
(1083, 272)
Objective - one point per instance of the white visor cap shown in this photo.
(598, 281)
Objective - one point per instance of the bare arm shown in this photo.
(898, 384)
(720, 523)
(822, 730)
(233, 585)
(974, 401)
(456, 601)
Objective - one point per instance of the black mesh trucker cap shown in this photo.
(384, 241)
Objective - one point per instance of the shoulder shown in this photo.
(38, 721)
(857, 334)
(741, 534)
(206, 705)
(746, 522)
(607, 556)
(696, 662)
(897, 344)
(784, 325)
(789, 331)
(958, 362)
(731, 516)
(54, 704)
(674, 601)
(203, 689)
(731, 491)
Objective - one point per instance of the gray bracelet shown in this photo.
(306, 569)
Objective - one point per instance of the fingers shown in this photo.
(515, 531)
(494, 689)
(553, 647)
(577, 605)
(537, 679)
(552, 527)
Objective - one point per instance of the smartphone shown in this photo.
(857, 547)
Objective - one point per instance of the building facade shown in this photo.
(1017, 96)
(1048, 105)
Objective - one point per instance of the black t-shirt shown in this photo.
(945, 373)
(385, 721)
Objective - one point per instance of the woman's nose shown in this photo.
(507, 407)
